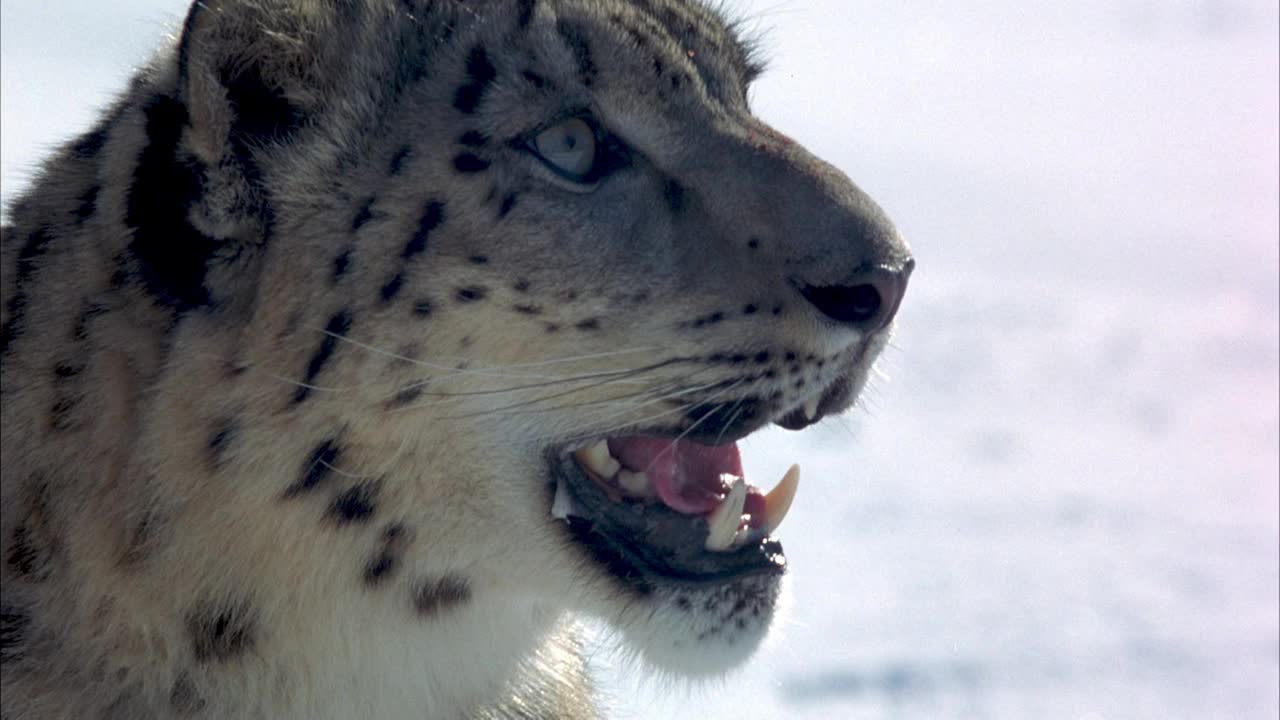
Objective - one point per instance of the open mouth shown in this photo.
(662, 509)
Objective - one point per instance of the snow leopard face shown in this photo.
(426, 316)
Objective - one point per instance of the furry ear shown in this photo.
(200, 204)
(245, 75)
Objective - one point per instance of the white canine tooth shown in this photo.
(635, 484)
(597, 459)
(778, 501)
(562, 505)
(811, 408)
(723, 522)
(745, 535)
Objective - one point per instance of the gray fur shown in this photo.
(226, 495)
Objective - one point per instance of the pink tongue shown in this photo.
(685, 475)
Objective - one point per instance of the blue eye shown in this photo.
(569, 148)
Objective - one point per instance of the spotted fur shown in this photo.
(289, 337)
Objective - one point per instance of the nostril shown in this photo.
(856, 304)
(868, 303)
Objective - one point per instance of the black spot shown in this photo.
(683, 603)
(749, 309)
(379, 568)
(407, 395)
(508, 202)
(422, 308)
(23, 558)
(572, 37)
(479, 259)
(363, 215)
(183, 697)
(468, 163)
(673, 193)
(589, 324)
(777, 309)
(521, 285)
(337, 327)
(13, 630)
(431, 218)
(761, 358)
(391, 287)
(88, 204)
(524, 12)
(224, 433)
(790, 357)
(355, 504)
(738, 359)
(711, 319)
(472, 293)
(341, 264)
(88, 145)
(432, 597)
(263, 111)
(397, 161)
(754, 243)
(384, 563)
(121, 274)
(36, 245)
(316, 468)
(473, 139)
(172, 255)
(60, 413)
(527, 309)
(480, 72)
(534, 79)
(222, 633)
(64, 371)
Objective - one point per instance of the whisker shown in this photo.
(451, 370)
(544, 398)
(691, 428)
(737, 410)
(680, 389)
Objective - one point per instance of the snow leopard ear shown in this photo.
(246, 75)
(201, 201)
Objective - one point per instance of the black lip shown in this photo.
(642, 544)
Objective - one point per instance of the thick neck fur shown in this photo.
(146, 438)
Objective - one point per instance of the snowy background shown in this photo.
(1064, 502)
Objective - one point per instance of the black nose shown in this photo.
(868, 301)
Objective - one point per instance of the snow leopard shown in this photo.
(362, 348)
